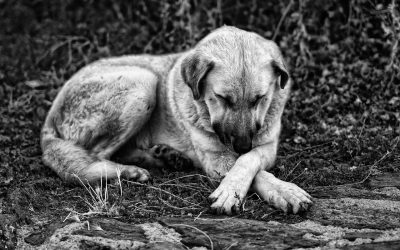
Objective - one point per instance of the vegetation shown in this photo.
(341, 125)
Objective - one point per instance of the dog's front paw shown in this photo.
(281, 194)
(135, 173)
(228, 197)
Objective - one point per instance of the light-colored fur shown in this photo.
(127, 105)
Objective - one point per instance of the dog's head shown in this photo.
(235, 74)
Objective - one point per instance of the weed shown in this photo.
(99, 201)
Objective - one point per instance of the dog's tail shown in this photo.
(69, 160)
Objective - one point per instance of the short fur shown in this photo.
(219, 104)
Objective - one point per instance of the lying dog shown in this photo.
(217, 106)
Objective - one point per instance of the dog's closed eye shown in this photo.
(256, 100)
(228, 100)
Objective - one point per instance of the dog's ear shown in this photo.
(280, 69)
(194, 69)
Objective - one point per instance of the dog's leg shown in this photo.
(74, 164)
(236, 183)
(248, 171)
(91, 118)
(281, 194)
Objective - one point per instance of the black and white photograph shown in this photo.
(199, 124)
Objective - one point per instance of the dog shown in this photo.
(216, 107)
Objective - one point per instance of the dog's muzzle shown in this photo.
(241, 143)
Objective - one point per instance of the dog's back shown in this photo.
(97, 111)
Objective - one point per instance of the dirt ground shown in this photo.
(341, 125)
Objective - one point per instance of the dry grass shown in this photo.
(98, 200)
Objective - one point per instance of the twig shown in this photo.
(224, 219)
(66, 218)
(231, 245)
(175, 207)
(161, 190)
(198, 216)
(299, 151)
(298, 175)
(278, 27)
(266, 215)
(186, 176)
(195, 228)
(291, 171)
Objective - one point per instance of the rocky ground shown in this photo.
(342, 217)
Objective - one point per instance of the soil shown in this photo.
(341, 222)
(340, 139)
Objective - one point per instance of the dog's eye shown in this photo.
(226, 99)
(256, 100)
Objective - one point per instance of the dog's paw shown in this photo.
(281, 194)
(171, 157)
(135, 173)
(227, 198)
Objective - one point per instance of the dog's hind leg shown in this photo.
(92, 117)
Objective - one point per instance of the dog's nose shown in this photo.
(242, 144)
